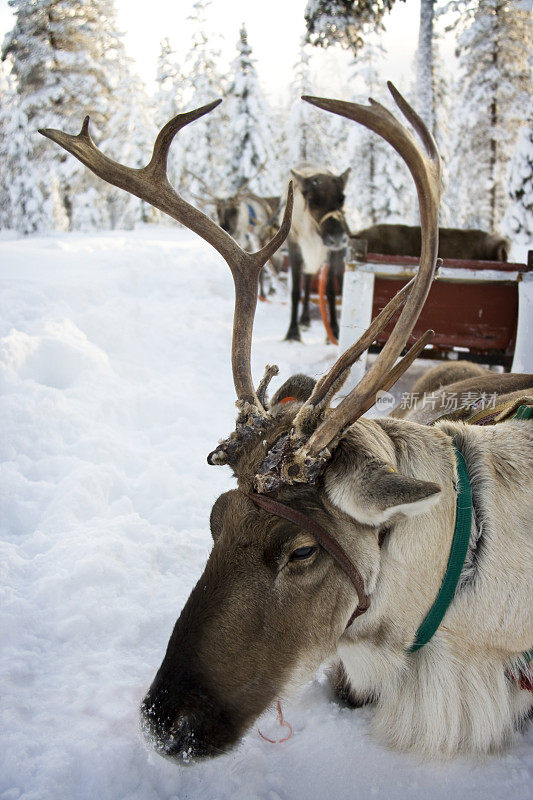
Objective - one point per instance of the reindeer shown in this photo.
(404, 240)
(465, 387)
(248, 218)
(334, 544)
(318, 233)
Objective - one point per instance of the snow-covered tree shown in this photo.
(425, 99)
(431, 95)
(25, 205)
(250, 135)
(203, 148)
(307, 134)
(347, 22)
(66, 56)
(379, 189)
(518, 222)
(131, 137)
(169, 101)
(493, 88)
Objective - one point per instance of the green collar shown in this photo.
(458, 551)
(456, 559)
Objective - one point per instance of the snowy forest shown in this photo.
(64, 59)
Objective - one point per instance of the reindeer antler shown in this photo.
(151, 184)
(211, 197)
(244, 186)
(304, 452)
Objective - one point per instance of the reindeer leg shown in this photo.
(305, 318)
(336, 263)
(295, 256)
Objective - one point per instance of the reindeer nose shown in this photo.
(187, 725)
(174, 735)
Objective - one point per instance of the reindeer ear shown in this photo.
(298, 387)
(375, 494)
(298, 177)
(218, 512)
(344, 176)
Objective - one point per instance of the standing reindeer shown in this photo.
(248, 218)
(318, 233)
(334, 544)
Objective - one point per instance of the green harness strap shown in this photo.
(456, 559)
(458, 551)
(524, 412)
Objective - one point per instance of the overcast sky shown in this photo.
(275, 28)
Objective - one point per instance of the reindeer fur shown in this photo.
(452, 696)
(390, 482)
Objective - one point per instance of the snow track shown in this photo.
(114, 385)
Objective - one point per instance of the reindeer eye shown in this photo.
(302, 552)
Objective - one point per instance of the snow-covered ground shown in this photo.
(114, 385)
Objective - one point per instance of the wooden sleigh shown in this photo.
(481, 310)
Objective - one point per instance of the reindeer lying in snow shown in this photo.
(404, 240)
(334, 544)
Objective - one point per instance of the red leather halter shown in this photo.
(324, 539)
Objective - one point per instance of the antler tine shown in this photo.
(339, 371)
(204, 201)
(199, 178)
(151, 184)
(403, 365)
(248, 181)
(425, 168)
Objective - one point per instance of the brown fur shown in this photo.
(404, 240)
(442, 375)
(504, 385)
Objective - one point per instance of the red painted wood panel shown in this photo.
(480, 316)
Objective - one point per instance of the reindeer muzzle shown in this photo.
(333, 230)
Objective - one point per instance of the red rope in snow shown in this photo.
(284, 724)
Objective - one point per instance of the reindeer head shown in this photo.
(323, 194)
(228, 209)
(296, 546)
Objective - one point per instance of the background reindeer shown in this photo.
(249, 219)
(318, 233)
(334, 544)
(405, 240)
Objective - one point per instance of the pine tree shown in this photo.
(493, 87)
(518, 222)
(252, 156)
(65, 54)
(379, 188)
(25, 205)
(442, 130)
(6, 99)
(432, 98)
(132, 135)
(425, 99)
(169, 101)
(347, 22)
(202, 143)
(306, 126)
